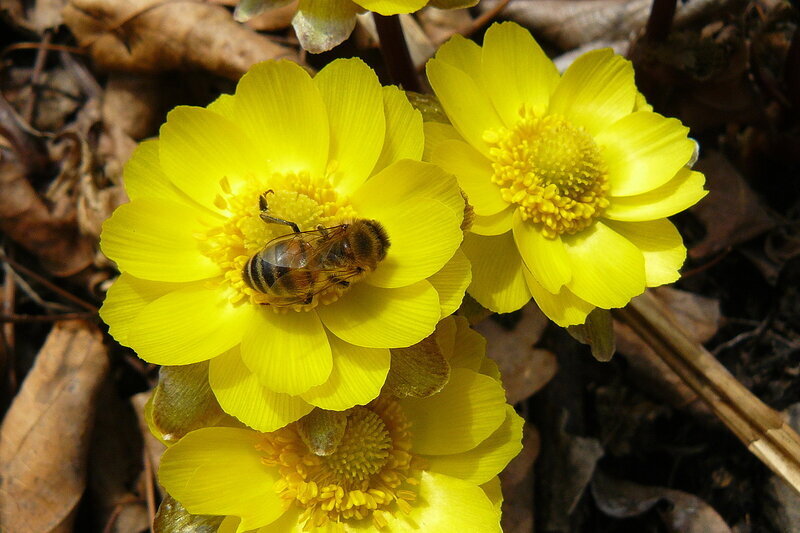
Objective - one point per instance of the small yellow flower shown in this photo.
(322, 24)
(571, 177)
(402, 465)
(330, 149)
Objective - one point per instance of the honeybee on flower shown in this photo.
(333, 149)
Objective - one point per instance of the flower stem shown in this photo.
(660, 21)
(395, 52)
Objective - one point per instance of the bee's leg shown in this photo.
(262, 205)
(262, 200)
(309, 299)
(341, 282)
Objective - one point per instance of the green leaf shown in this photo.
(598, 333)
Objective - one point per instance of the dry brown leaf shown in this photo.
(51, 236)
(441, 24)
(274, 19)
(45, 436)
(149, 36)
(731, 213)
(525, 369)
(686, 513)
(700, 318)
(571, 23)
(154, 448)
(517, 482)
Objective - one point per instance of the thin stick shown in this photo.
(149, 489)
(38, 66)
(759, 427)
(47, 283)
(395, 52)
(12, 318)
(485, 18)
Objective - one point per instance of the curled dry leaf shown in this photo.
(51, 236)
(150, 36)
(173, 518)
(525, 369)
(686, 513)
(731, 213)
(45, 436)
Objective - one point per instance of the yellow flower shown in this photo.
(330, 149)
(322, 24)
(426, 464)
(571, 176)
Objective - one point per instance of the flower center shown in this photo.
(295, 198)
(552, 170)
(371, 474)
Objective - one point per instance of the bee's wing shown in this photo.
(335, 277)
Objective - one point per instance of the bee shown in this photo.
(293, 268)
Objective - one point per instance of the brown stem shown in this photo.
(395, 52)
(660, 21)
(759, 427)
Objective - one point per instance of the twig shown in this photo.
(485, 18)
(149, 489)
(38, 66)
(395, 52)
(47, 283)
(759, 427)
(12, 318)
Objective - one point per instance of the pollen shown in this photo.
(297, 198)
(552, 170)
(372, 474)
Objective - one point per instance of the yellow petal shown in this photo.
(320, 26)
(465, 55)
(660, 243)
(474, 174)
(545, 258)
(404, 181)
(487, 459)
(607, 268)
(497, 280)
(392, 7)
(467, 105)
(469, 349)
(352, 95)
(230, 524)
(516, 71)
(494, 492)
(198, 148)
(596, 90)
(375, 317)
(280, 107)
(240, 394)
(218, 471)
(681, 192)
(155, 239)
(356, 379)
(446, 335)
(643, 151)
(404, 134)
(144, 177)
(451, 281)
(424, 235)
(126, 297)
(289, 522)
(436, 132)
(188, 325)
(495, 224)
(466, 411)
(223, 105)
(563, 308)
(447, 504)
(289, 352)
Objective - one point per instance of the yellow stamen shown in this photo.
(552, 170)
(371, 473)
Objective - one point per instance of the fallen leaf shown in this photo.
(45, 436)
(149, 36)
(517, 482)
(686, 513)
(731, 213)
(525, 369)
(782, 504)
